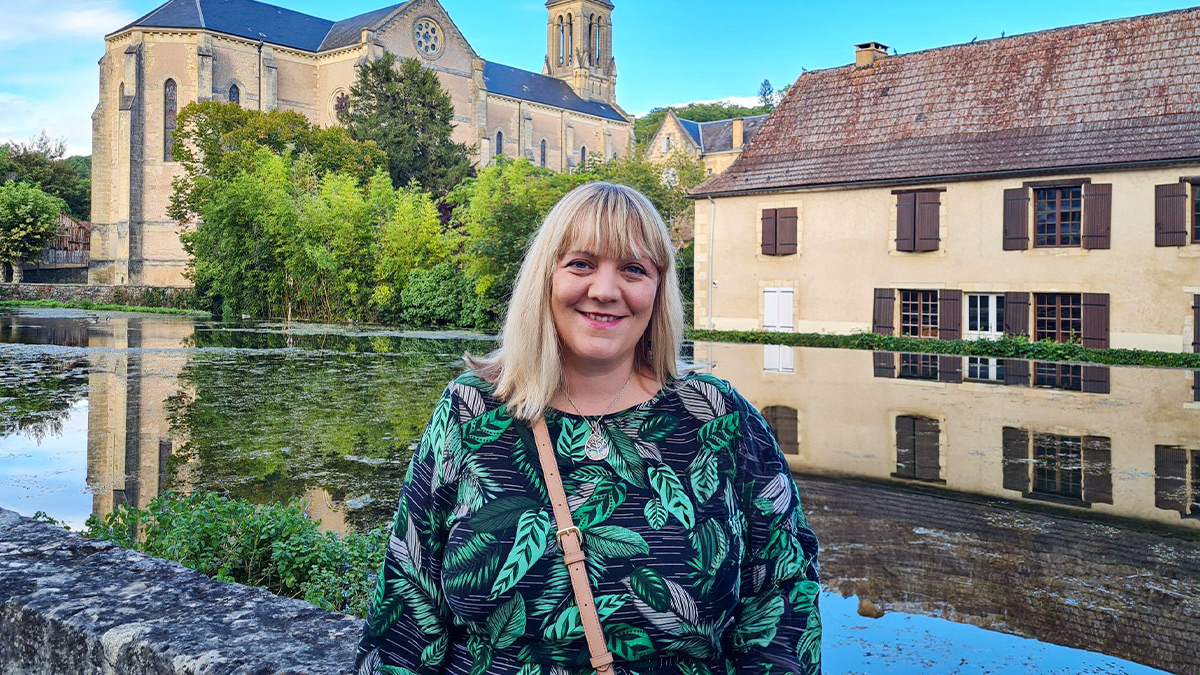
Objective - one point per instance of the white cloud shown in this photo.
(22, 21)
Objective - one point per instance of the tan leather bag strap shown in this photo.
(570, 540)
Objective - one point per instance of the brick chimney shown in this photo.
(739, 132)
(869, 52)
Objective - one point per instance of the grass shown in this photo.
(1008, 348)
(97, 306)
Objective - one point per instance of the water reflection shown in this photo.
(1054, 501)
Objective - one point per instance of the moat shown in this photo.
(1004, 516)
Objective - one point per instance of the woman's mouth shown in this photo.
(601, 320)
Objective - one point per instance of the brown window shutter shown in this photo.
(768, 232)
(1016, 459)
(1170, 478)
(1016, 219)
(1097, 379)
(950, 369)
(884, 321)
(928, 449)
(1170, 214)
(1196, 324)
(929, 221)
(1016, 372)
(1016, 314)
(1097, 216)
(906, 447)
(1196, 386)
(885, 364)
(950, 315)
(785, 231)
(1095, 320)
(906, 221)
(1097, 469)
(782, 420)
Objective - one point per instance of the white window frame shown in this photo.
(778, 317)
(990, 369)
(992, 318)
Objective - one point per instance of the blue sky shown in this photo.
(668, 51)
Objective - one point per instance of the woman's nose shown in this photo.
(604, 284)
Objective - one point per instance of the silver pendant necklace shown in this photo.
(596, 447)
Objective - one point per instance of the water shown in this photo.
(1040, 522)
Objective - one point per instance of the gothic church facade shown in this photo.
(266, 57)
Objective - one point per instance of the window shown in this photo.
(918, 221)
(668, 143)
(170, 110)
(777, 318)
(1059, 216)
(985, 316)
(779, 231)
(570, 39)
(1195, 214)
(985, 370)
(562, 36)
(583, 155)
(235, 94)
(784, 427)
(542, 154)
(919, 366)
(919, 313)
(499, 144)
(1058, 465)
(779, 359)
(1058, 376)
(599, 27)
(1059, 316)
(1176, 484)
(341, 104)
(591, 36)
(918, 449)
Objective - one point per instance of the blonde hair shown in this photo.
(613, 220)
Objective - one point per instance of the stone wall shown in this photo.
(73, 605)
(1111, 587)
(144, 296)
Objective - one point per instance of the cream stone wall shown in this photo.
(717, 162)
(846, 248)
(134, 241)
(846, 420)
(680, 141)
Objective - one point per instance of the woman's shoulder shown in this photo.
(472, 396)
(704, 392)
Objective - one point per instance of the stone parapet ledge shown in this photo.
(79, 606)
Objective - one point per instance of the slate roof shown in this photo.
(692, 129)
(260, 21)
(718, 136)
(1108, 93)
(522, 84)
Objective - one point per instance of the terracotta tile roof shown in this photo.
(1113, 92)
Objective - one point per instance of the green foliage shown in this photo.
(275, 546)
(498, 211)
(41, 162)
(666, 184)
(442, 297)
(647, 125)
(405, 111)
(413, 241)
(28, 222)
(1019, 347)
(100, 306)
(215, 142)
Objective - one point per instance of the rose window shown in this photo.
(427, 37)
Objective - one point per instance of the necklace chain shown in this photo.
(596, 425)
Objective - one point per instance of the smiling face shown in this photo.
(601, 306)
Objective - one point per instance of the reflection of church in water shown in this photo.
(1055, 501)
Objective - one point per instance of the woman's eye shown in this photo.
(578, 264)
(636, 269)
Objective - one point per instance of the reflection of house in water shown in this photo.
(1046, 500)
(129, 440)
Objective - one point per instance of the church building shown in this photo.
(266, 57)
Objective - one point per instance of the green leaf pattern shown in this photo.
(693, 502)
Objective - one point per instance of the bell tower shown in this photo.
(579, 47)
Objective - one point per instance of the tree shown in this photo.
(216, 141)
(28, 223)
(766, 95)
(408, 114)
(665, 184)
(412, 240)
(42, 161)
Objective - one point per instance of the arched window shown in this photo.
(499, 144)
(562, 42)
(583, 155)
(570, 39)
(599, 27)
(235, 94)
(591, 32)
(170, 109)
(543, 153)
(783, 423)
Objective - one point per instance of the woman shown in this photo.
(698, 555)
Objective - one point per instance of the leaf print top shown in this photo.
(700, 558)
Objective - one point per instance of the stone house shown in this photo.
(716, 144)
(1045, 184)
(267, 57)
